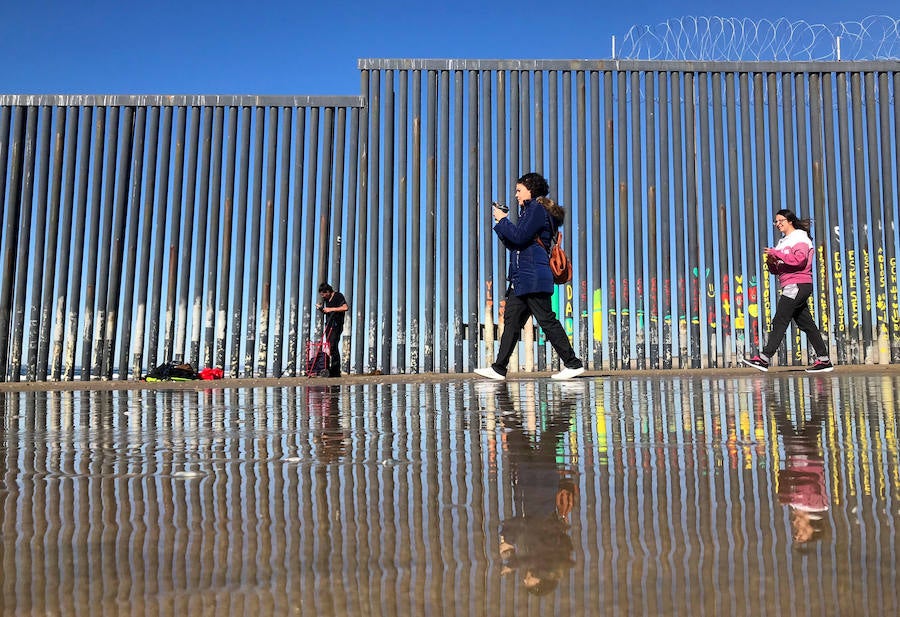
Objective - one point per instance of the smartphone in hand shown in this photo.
(499, 206)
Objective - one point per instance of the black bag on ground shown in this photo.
(172, 371)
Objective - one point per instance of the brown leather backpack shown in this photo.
(559, 261)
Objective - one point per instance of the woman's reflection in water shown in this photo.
(801, 483)
(535, 542)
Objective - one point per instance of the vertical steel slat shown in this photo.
(68, 207)
(117, 245)
(338, 178)
(538, 98)
(31, 149)
(789, 151)
(636, 225)
(221, 320)
(735, 265)
(390, 293)
(110, 175)
(514, 156)
(484, 217)
(706, 212)
(5, 114)
(862, 220)
(456, 332)
(39, 330)
(296, 332)
(284, 217)
(747, 285)
(596, 208)
(855, 353)
(564, 187)
(403, 236)
(474, 229)
(159, 242)
(173, 217)
(513, 169)
(790, 185)
(442, 217)
(720, 210)
(360, 335)
(239, 238)
(206, 321)
(186, 250)
(205, 234)
(693, 213)
(430, 204)
(373, 287)
(308, 290)
(890, 227)
(415, 206)
(551, 172)
(665, 219)
(14, 185)
(135, 217)
(262, 365)
(581, 176)
(823, 279)
(800, 99)
(349, 269)
(323, 221)
(838, 336)
(624, 278)
(337, 209)
(682, 302)
(775, 188)
(760, 209)
(652, 285)
(874, 259)
(525, 121)
(539, 162)
(888, 345)
(612, 283)
(93, 241)
(501, 188)
(256, 214)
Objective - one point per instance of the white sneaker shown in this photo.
(490, 373)
(568, 373)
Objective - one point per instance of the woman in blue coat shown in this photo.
(530, 278)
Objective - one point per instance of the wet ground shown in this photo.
(702, 494)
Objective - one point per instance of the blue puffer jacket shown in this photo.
(529, 263)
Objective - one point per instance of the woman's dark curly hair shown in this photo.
(535, 183)
(539, 188)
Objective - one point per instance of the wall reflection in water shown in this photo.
(771, 495)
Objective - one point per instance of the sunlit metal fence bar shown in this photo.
(137, 230)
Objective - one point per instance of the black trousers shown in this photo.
(518, 310)
(796, 310)
(334, 341)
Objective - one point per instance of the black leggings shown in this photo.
(518, 310)
(796, 309)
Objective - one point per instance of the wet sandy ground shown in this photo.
(725, 492)
(419, 378)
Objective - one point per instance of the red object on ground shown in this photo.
(211, 373)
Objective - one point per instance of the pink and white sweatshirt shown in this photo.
(793, 254)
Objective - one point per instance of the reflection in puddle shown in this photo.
(773, 495)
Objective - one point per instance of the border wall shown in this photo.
(142, 229)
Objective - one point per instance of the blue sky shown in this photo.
(227, 47)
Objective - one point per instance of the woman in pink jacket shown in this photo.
(791, 262)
